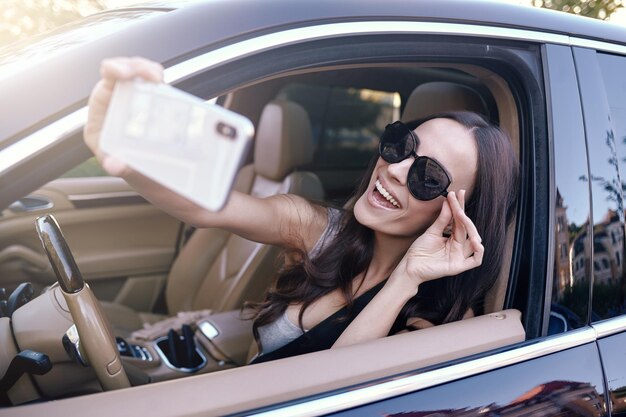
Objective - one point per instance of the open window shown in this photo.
(382, 82)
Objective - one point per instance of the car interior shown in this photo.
(165, 287)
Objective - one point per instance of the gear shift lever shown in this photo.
(182, 348)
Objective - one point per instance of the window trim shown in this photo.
(369, 394)
(72, 123)
(592, 79)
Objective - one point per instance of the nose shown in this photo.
(400, 170)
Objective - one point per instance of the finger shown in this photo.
(461, 198)
(97, 105)
(468, 225)
(124, 68)
(458, 228)
(442, 221)
(149, 70)
(114, 166)
(477, 258)
(468, 248)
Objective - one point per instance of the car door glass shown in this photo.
(346, 124)
(569, 305)
(609, 290)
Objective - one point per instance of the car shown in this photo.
(552, 339)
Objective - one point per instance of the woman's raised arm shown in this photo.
(284, 220)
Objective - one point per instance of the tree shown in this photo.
(20, 19)
(598, 9)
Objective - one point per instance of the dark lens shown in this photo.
(396, 143)
(427, 179)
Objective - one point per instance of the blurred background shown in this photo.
(21, 19)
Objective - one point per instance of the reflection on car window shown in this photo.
(570, 290)
(346, 122)
(89, 168)
(569, 307)
(608, 289)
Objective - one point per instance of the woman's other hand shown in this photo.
(114, 70)
(437, 254)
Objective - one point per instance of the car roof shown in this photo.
(57, 76)
(255, 15)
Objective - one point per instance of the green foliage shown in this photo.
(598, 9)
(576, 298)
(89, 168)
(607, 300)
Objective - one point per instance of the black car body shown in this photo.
(554, 82)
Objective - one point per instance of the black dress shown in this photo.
(324, 335)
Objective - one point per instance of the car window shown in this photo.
(608, 290)
(90, 168)
(569, 304)
(346, 122)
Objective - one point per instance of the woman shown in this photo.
(406, 256)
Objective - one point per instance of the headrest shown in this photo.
(441, 96)
(283, 140)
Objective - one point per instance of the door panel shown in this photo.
(567, 383)
(613, 351)
(602, 85)
(112, 231)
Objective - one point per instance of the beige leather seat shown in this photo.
(441, 96)
(216, 269)
(438, 97)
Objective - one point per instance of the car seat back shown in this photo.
(437, 97)
(219, 270)
(442, 96)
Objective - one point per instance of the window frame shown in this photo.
(510, 354)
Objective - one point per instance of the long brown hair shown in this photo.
(491, 207)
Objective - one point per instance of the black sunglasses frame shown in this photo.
(412, 174)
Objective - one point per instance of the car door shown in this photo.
(604, 89)
(556, 370)
(559, 371)
(123, 245)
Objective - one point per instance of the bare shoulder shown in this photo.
(302, 221)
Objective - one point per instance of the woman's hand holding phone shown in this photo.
(137, 124)
(114, 70)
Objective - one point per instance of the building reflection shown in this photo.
(573, 267)
(555, 398)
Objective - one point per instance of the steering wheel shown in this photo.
(96, 338)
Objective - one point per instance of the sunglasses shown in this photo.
(426, 179)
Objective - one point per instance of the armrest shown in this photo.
(226, 336)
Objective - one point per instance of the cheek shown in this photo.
(410, 223)
(422, 215)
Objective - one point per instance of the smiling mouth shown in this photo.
(383, 196)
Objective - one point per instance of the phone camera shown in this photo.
(226, 130)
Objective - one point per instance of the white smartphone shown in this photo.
(178, 140)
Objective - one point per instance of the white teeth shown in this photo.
(386, 194)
